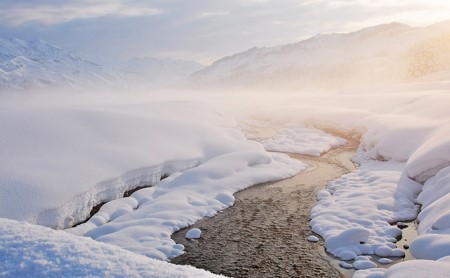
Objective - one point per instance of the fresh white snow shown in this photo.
(313, 238)
(194, 233)
(28, 250)
(404, 155)
(310, 141)
(58, 161)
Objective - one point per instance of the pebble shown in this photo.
(313, 239)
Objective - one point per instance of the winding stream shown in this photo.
(264, 233)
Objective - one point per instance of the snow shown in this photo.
(364, 264)
(155, 213)
(33, 251)
(194, 233)
(385, 261)
(354, 213)
(60, 160)
(383, 54)
(310, 141)
(38, 64)
(345, 265)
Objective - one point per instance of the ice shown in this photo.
(194, 233)
(27, 250)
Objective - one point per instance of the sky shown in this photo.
(200, 30)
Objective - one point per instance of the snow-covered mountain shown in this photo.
(381, 54)
(157, 72)
(35, 64)
(38, 64)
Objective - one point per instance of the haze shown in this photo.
(199, 30)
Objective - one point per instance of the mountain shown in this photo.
(382, 54)
(156, 72)
(38, 64)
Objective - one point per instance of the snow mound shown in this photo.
(354, 218)
(149, 216)
(33, 251)
(308, 141)
(59, 161)
(194, 233)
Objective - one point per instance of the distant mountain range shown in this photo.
(38, 64)
(383, 54)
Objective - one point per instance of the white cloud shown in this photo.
(213, 14)
(81, 9)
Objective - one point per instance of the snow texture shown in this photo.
(313, 239)
(382, 54)
(143, 222)
(308, 141)
(27, 250)
(194, 233)
(354, 213)
(38, 64)
(59, 161)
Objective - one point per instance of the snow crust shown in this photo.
(28, 250)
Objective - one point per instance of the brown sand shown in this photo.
(264, 233)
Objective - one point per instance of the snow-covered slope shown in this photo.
(389, 53)
(36, 64)
(156, 72)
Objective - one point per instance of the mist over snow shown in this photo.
(195, 135)
(384, 54)
(31, 65)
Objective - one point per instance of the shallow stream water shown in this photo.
(265, 233)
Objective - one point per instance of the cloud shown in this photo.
(54, 13)
(203, 30)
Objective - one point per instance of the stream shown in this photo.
(264, 234)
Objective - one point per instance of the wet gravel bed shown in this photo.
(265, 233)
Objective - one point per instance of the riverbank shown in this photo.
(265, 233)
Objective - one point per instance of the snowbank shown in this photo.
(355, 212)
(60, 160)
(144, 222)
(33, 251)
(310, 141)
